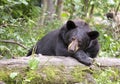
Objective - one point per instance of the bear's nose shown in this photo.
(71, 51)
(73, 46)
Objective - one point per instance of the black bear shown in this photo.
(74, 38)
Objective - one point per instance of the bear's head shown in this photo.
(77, 35)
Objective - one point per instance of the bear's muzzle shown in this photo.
(73, 46)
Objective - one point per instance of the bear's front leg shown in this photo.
(82, 57)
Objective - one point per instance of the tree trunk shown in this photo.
(50, 9)
(91, 11)
(57, 61)
(117, 9)
(42, 20)
(59, 8)
(86, 7)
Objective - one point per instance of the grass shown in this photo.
(59, 74)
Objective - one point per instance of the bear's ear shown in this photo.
(93, 34)
(70, 25)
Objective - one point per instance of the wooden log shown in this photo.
(57, 60)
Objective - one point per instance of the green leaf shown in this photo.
(111, 2)
(76, 1)
(65, 14)
(33, 63)
(13, 75)
(24, 2)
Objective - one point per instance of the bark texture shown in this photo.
(56, 61)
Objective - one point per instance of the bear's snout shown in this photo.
(73, 46)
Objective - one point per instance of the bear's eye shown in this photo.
(79, 43)
(73, 38)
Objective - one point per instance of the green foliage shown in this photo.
(107, 76)
(45, 75)
(53, 75)
(17, 18)
(11, 10)
(83, 8)
(13, 75)
(33, 63)
(79, 73)
(109, 46)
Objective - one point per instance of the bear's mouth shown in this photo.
(73, 46)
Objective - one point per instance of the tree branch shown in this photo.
(13, 42)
